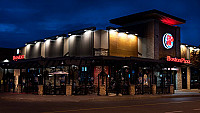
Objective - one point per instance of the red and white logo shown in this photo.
(168, 41)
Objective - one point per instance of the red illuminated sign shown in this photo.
(168, 41)
(182, 60)
(15, 58)
(169, 21)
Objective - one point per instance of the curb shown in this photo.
(93, 98)
(138, 98)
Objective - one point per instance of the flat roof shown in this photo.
(151, 14)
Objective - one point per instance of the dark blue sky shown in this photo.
(22, 21)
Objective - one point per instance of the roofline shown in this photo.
(148, 12)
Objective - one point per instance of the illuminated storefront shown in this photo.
(191, 73)
(142, 56)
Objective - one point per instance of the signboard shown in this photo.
(182, 60)
(15, 58)
(168, 41)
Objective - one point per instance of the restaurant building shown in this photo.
(142, 56)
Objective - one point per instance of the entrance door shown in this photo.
(59, 84)
(55, 84)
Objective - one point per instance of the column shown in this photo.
(132, 89)
(68, 89)
(40, 89)
(188, 77)
(107, 84)
(54, 84)
(13, 83)
(179, 79)
(98, 85)
(142, 81)
(4, 74)
(153, 89)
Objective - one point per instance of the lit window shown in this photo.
(83, 68)
(17, 51)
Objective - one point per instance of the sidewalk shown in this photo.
(63, 98)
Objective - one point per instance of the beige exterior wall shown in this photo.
(43, 50)
(23, 51)
(123, 45)
(185, 52)
(142, 47)
(66, 46)
(101, 39)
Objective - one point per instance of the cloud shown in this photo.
(7, 27)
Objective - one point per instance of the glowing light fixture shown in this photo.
(121, 34)
(136, 34)
(6, 60)
(131, 36)
(17, 51)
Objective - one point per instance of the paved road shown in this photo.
(161, 105)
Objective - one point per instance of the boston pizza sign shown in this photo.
(182, 60)
(15, 58)
(168, 41)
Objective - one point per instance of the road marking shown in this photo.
(174, 112)
(196, 109)
(137, 105)
(162, 103)
(109, 107)
(47, 112)
(60, 111)
(96, 108)
(176, 102)
(83, 109)
(124, 106)
(187, 101)
(150, 104)
(72, 110)
(177, 111)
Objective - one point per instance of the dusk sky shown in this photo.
(22, 21)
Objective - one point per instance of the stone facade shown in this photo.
(19, 89)
(188, 77)
(172, 89)
(153, 89)
(132, 89)
(179, 79)
(103, 90)
(40, 89)
(68, 90)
